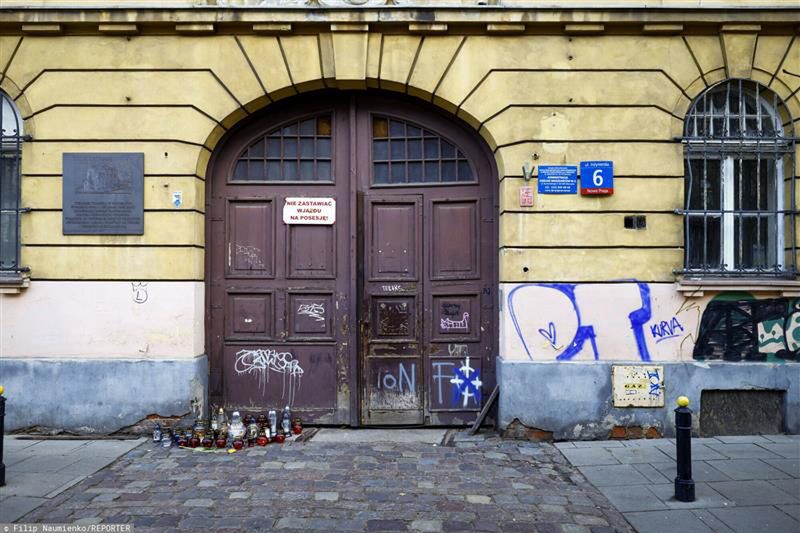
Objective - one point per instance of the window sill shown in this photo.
(695, 288)
(14, 282)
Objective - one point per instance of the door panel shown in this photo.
(311, 316)
(459, 332)
(263, 375)
(281, 331)
(251, 237)
(391, 310)
(252, 315)
(401, 152)
(279, 295)
(393, 227)
(455, 317)
(311, 252)
(456, 240)
(394, 391)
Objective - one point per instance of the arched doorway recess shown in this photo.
(381, 310)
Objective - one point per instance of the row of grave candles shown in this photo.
(235, 433)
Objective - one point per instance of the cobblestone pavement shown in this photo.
(484, 484)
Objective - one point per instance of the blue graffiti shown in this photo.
(666, 330)
(550, 334)
(583, 333)
(638, 318)
(655, 389)
(467, 384)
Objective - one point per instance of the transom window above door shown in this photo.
(404, 153)
(297, 151)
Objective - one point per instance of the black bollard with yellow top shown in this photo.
(684, 485)
(2, 432)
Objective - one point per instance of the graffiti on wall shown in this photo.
(746, 329)
(646, 322)
(139, 292)
(564, 315)
(666, 330)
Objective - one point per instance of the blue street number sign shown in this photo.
(597, 177)
(558, 179)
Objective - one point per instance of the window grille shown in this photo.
(407, 154)
(739, 167)
(11, 137)
(297, 151)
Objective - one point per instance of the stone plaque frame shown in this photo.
(103, 194)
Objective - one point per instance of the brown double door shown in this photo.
(378, 311)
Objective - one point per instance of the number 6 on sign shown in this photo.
(597, 178)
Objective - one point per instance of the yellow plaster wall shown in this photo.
(160, 157)
(114, 262)
(596, 229)
(545, 99)
(349, 51)
(792, 64)
(301, 57)
(124, 124)
(398, 54)
(557, 88)
(552, 124)
(171, 228)
(645, 194)
(589, 264)
(630, 159)
(199, 89)
(44, 192)
(265, 54)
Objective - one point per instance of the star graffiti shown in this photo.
(467, 381)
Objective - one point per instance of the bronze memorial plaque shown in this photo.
(103, 194)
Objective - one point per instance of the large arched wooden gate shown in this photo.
(352, 263)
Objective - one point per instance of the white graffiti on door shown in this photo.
(315, 311)
(448, 324)
(403, 381)
(457, 349)
(263, 361)
(250, 255)
(392, 288)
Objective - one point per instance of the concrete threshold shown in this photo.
(424, 436)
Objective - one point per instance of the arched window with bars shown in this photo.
(11, 138)
(739, 216)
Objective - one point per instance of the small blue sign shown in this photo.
(558, 179)
(597, 177)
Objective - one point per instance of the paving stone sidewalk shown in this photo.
(39, 470)
(342, 483)
(743, 484)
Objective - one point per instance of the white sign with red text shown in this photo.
(320, 211)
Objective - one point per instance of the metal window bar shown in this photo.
(709, 136)
(11, 137)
